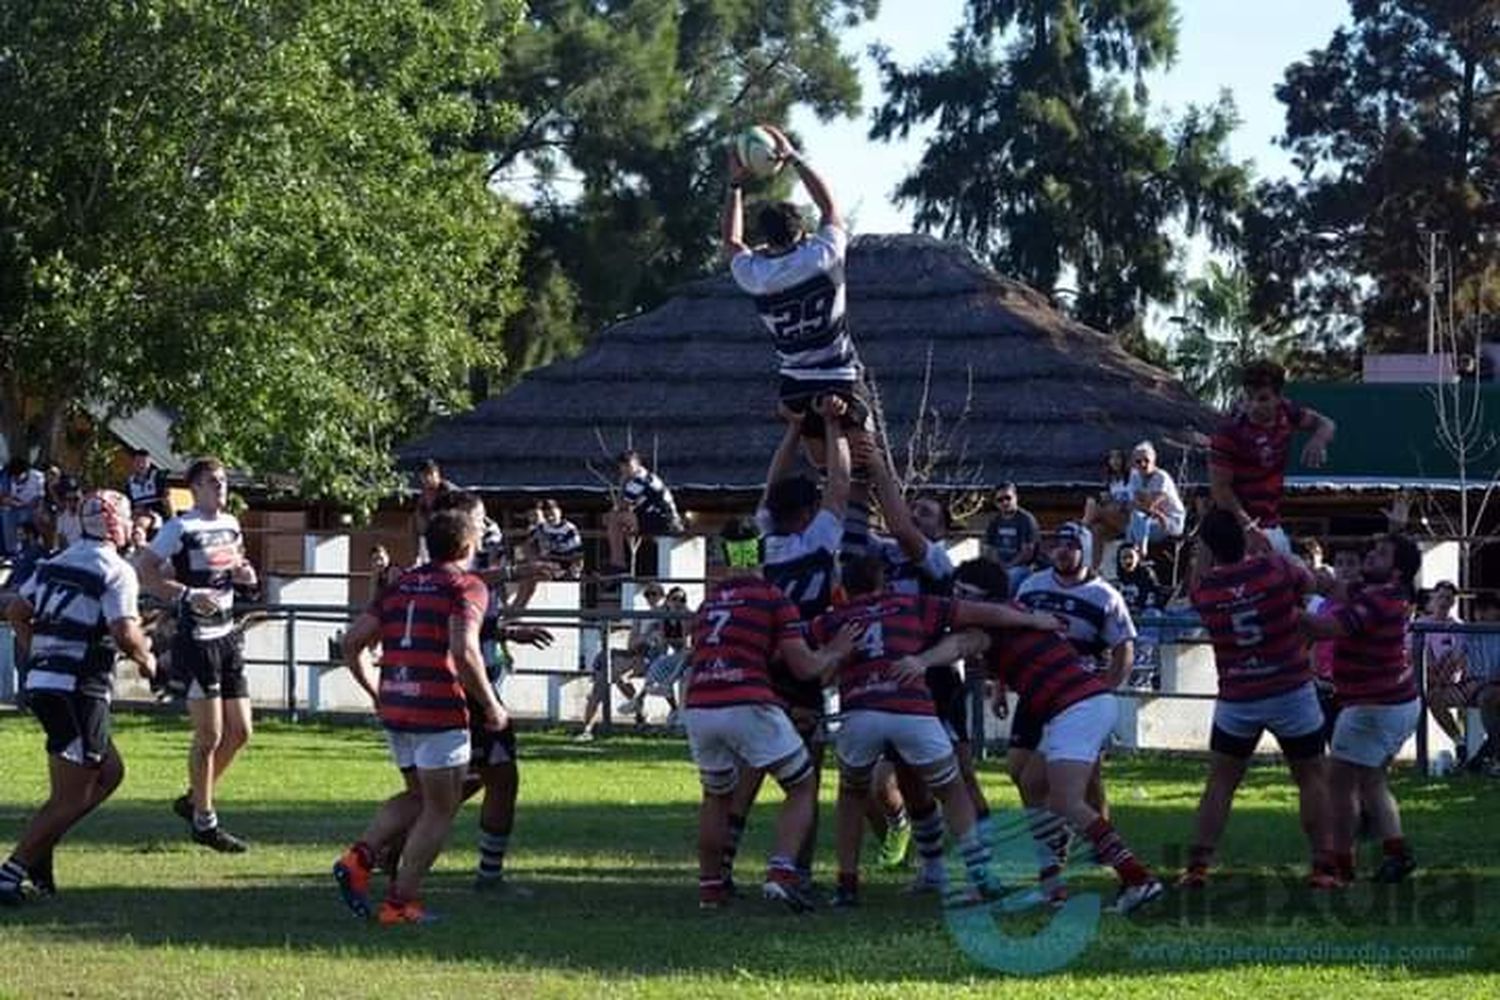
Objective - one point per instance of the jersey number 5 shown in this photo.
(1247, 630)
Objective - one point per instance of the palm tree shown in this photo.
(1219, 337)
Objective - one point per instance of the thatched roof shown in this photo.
(694, 383)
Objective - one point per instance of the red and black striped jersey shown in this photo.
(1044, 669)
(1371, 662)
(420, 690)
(895, 625)
(1252, 610)
(736, 633)
(1255, 457)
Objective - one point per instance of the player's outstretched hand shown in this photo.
(830, 406)
(843, 643)
(497, 720)
(909, 668)
(529, 635)
(202, 601)
(784, 147)
(1046, 621)
(1315, 452)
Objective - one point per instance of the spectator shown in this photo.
(32, 551)
(1108, 514)
(67, 525)
(383, 571)
(430, 486)
(146, 486)
(143, 528)
(1011, 537)
(1156, 510)
(1479, 681)
(1310, 551)
(1443, 653)
(556, 540)
(666, 668)
(645, 509)
(1136, 580)
(646, 638)
(22, 492)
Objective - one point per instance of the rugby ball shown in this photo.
(755, 148)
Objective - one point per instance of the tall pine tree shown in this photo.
(1046, 161)
(1395, 129)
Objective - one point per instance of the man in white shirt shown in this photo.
(21, 492)
(1157, 511)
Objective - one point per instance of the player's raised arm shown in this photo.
(732, 219)
(785, 455)
(817, 188)
(898, 519)
(1315, 452)
(836, 452)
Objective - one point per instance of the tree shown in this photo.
(1045, 162)
(1393, 127)
(262, 216)
(626, 108)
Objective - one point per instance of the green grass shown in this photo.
(604, 843)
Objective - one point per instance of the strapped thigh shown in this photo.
(793, 769)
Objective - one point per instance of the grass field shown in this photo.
(603, 851)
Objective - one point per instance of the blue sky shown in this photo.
(1223, 44)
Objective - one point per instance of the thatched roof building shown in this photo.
(693, 383)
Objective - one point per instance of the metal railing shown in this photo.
(1164, 630)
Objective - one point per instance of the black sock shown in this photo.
(732, 845)
(12, 874)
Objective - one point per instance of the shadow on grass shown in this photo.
(651, 926)
(612, 884)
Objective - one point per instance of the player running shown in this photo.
(1376, 689)
(66, 615)
(887, 709)
(427, 625)
(1252, 607)
(735, 720)
(798, 284)
(203, 549)
(1070, 704)
(1247, 455)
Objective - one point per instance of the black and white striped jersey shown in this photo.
(203, 552)
(1097, 617)
(75, 595)
(801, 298)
